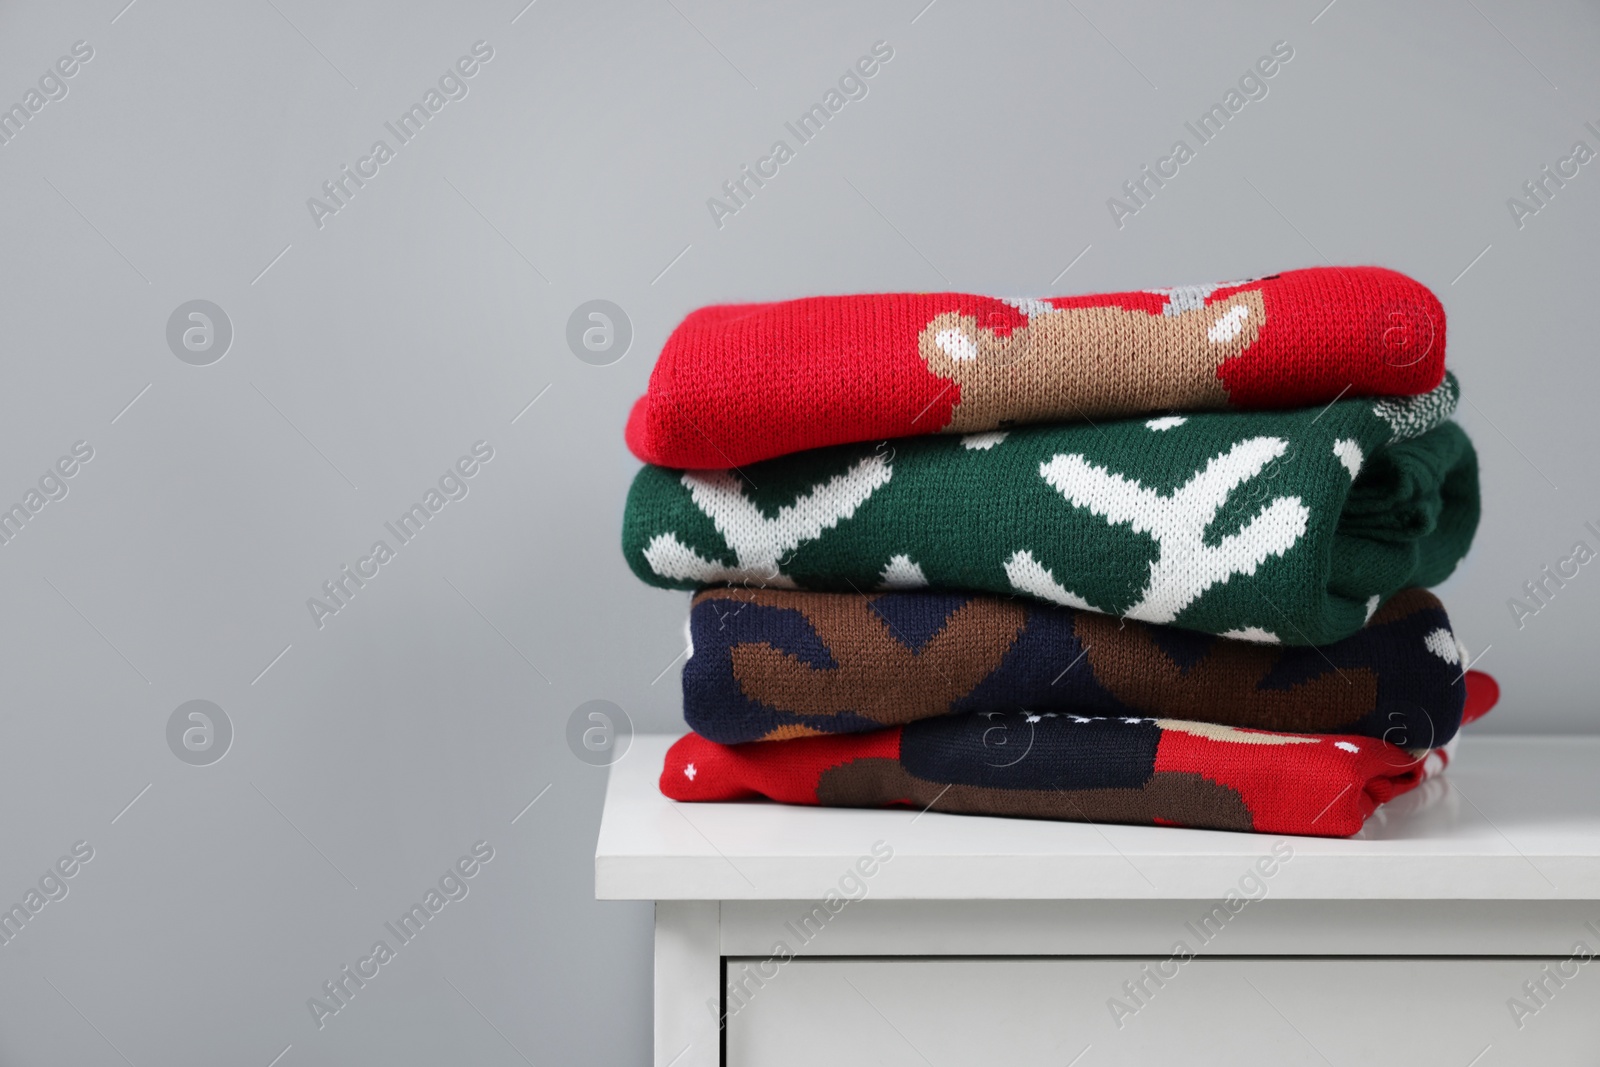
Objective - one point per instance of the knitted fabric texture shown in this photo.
(769, 665)
(1078, 768)
(740, 383)
(1283, 527)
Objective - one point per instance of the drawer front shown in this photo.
(1077, 1012)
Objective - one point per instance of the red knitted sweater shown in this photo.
(740, 383)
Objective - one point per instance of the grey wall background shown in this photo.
(370, 353)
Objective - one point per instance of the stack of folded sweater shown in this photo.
(1157, 557)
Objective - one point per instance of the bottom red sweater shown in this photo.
(1077, 767)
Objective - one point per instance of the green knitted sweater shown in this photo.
(1278, 526)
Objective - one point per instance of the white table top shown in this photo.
(1514, 818)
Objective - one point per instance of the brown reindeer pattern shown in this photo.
(1105, 359)
(1130, 665)
(893, 658)
(874, 664)
(1182, 798)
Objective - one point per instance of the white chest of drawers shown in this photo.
(1453, 931)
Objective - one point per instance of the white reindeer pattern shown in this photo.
(1186, 566)
(1184, 569)
(760, 544)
